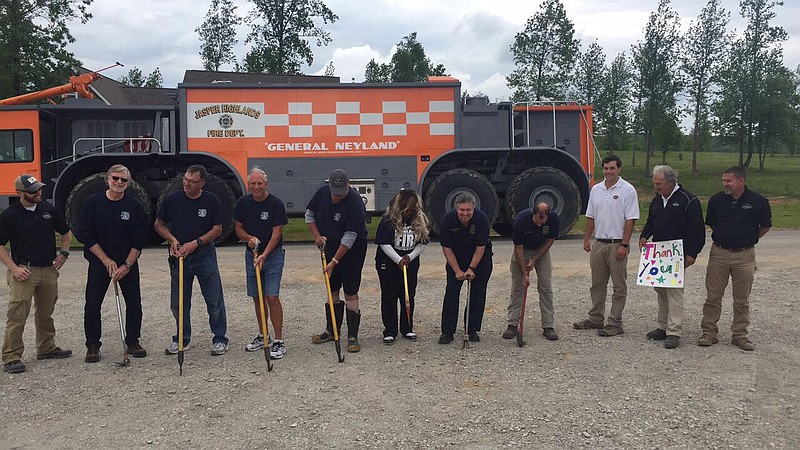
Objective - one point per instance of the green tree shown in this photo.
(409, 64)
(656, 61)
(613, 107)
(279, 29)
(330, 69)
(544, 54)
(590, 74)
(754, 59)
(705, 48)
(136, 78)
(218, 34)
(777, 113)
(377, 73)
(33, 43)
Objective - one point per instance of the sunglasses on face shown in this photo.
(116, 178)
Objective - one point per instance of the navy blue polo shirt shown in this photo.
(258, 218)
(736, 222)
(32, 233)
(118, 226)
(464, 239)
(188, 218)
(334, 219)
(531, 236)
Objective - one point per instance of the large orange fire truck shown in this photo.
(423, 136)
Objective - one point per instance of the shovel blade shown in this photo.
(520, 342)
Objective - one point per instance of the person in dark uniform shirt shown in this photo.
(190, 220)
(113, 229)
(336, 217)
(738, 218)
(402, 236)
(464, 236)
(33, 264)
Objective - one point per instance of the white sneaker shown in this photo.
(256, 345)
(277, 350)
(172, 348)
(219, 348)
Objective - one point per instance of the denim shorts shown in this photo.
(271, 272)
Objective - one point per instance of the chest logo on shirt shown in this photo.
(471, 229)
(202, 212)
(546, 229)
(264, 215)
(337, 217)
(46, 216)
(616, 197)
(125, 215)
(747, 206)
(676, 204)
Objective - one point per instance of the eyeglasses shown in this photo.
(116, 178)
(187, 180)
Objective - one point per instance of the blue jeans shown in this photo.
(271, 272)
(203, 265)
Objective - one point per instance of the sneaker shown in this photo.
(672, 341)
(353, 345)
(14, 367)
(219, 349)
(610, 330)
(277, 350)
(743, 343)
(411, 336)
(445, 338)
(657, 335)
(136, 350)
(172, 348)
(256, 345)
(56, 353)
(388, 340)
(587, 324)
(707, 340)
(92, 355)
(473, 337)
(510, 332)
(550, 334)
(322, 337)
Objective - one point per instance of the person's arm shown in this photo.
(66, 240)
(697, 231)
(20, 273)
(277, 230)
(190, 247)
(163, 231)
(123, 270)
(450, 257)
(243, 235)
(519, 257)
(587, 234)
(418, 249)
(391, 253)
(108, 263)
(477, 255)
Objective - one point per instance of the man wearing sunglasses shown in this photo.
(30, 225)
(113, 230)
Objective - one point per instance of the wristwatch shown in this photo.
(64, 253)
(129, 264)
(625, 245)
(199, 242)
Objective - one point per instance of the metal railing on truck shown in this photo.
(525, 108)
(113, 145)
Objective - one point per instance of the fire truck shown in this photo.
(388, 137)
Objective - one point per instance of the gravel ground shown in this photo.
(578, 392)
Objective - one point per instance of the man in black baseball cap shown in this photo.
(27, 183)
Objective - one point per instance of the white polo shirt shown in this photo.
(610, 208)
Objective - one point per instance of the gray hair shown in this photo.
(668, 172)
(116, 168)
(464, 197)
(258, 170)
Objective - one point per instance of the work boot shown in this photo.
(327, 335)
(707, 340)
(743, 343)
(353, 323)
(587, 324)
(510, 332)
(672, 341)
(56, 353)
(136, 350)
(656, 335)
(92, 355)
(610, 330)
(550, 334)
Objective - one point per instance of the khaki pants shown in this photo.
(670, 310)
(42, 286)
(544, 275)
(740, 267)
(604, 264)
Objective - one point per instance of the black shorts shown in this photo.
(348, 271)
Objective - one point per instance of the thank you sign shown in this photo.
(661, 264)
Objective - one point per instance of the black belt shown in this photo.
(734, 250)
(609, 241)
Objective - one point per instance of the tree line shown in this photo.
(733, 86)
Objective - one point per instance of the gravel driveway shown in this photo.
(579, 391)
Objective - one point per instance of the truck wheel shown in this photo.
(441, 194)
(97, 183)
(503, 229)
(545, 184)
(216, 186)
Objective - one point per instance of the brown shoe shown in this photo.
(510, 333)
(743, 343)
(92, 355)
(550, 334)
(610, 330)
(136, 350)
(707, 340)
(353, 346)
(56, 353)
(322, 337)
(587, 324)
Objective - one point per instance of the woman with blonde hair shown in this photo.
(402, 236)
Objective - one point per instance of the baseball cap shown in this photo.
(339, 182)
(27, 183)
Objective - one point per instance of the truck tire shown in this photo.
(545, 184)
(503, 229)
(97, 183)
(441, 194)
(216, 186)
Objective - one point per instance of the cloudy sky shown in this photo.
(470, 37)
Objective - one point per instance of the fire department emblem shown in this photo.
(125, 215)
(225, 121)
(546, 229)
(264, 215)
(46, 215)
(202, 212)
(337, 217)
